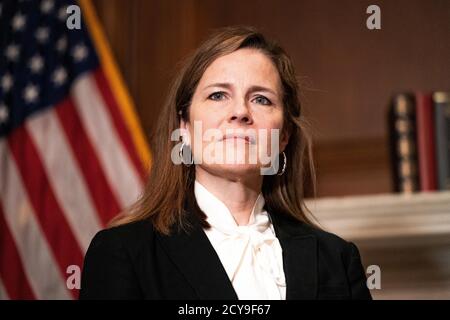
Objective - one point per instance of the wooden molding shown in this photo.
(385, 216)
(406, 235)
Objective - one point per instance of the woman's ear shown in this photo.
(184, 128)
(182, 124)
(284, 139)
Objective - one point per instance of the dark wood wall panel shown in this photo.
(347, 72)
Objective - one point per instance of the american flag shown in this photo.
(72, 154)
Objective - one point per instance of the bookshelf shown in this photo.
(406, 235)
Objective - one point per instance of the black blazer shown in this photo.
(134, 261)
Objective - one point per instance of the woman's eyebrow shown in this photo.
(225, 85)
(229, 86)
(262, 88)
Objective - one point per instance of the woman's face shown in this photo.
(239, 95)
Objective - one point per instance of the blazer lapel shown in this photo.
(196, 258)
(299, 257)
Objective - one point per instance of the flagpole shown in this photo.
(115, 79)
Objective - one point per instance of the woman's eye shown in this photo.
(262, 100)
(217, 96)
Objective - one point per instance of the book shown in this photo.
(402, 137)
(441, 102)
(426, 147)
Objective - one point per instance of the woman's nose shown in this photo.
(241, 114)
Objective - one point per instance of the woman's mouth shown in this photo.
(247, 138)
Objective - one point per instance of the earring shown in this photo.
(284, 165)
(181, 154)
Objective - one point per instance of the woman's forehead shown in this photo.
(242, 67)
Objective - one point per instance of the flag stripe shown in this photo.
(64, 176)
(121, 174)
(102, 195)
(48, 211)
(38, 261)
(117, 119)
(11, 269)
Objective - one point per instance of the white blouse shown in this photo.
(251, 255)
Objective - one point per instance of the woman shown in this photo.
(237, 229)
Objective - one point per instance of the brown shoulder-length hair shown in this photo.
(170, 187)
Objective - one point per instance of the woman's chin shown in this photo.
(237, 169)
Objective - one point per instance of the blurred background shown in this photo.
(355, 82)
(348, 72)
(349, 76)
